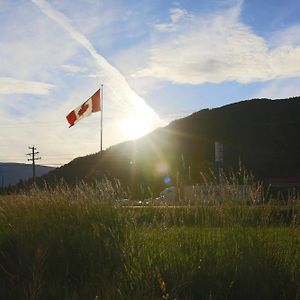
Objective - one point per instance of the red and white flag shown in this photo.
(89, 106)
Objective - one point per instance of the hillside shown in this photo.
(262, 134)
(12, 173)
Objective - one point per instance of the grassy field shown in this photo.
(79, 244)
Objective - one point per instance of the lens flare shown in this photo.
(161, 168)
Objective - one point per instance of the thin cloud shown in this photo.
(280, 88)
(15, 86)
(117, 88)
(73, 69)
(288, 36)
(216, 48)
(177, 16)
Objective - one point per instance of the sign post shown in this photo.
(218, 160)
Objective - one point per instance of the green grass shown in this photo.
(77, 244)
(214, 263)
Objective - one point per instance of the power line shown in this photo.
(61, 123)
(50, 159)
(47, 155)
(29, 122)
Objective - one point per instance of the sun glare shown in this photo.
(135, 126)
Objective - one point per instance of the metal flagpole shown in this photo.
(101, 119)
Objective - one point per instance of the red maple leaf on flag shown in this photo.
(91, 105)
(83, 109)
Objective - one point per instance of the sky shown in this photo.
(158, 60)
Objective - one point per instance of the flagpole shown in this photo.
(101, 120)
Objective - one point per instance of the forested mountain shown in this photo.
(261, 134)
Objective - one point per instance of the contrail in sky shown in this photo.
(119, 90)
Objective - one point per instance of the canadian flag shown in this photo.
(89, 106)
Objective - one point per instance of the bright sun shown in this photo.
(135, 126)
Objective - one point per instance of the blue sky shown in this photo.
(158, 61)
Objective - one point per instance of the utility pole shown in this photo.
(33, 158)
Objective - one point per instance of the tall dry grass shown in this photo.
(80, 243)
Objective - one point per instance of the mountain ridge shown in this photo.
(260, 133)
(11, 172)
